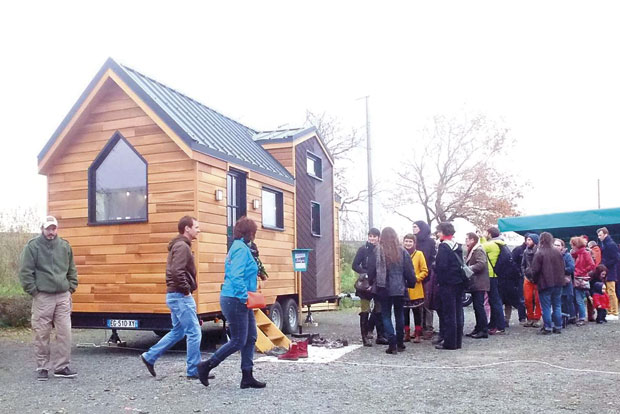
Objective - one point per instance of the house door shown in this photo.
(235, 201)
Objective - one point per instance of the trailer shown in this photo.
(133, 156)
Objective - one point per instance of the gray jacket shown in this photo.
(399, 276)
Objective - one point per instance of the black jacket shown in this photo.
(447, 265)
(425, 244)
(360, 265)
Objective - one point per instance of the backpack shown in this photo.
(505, 267)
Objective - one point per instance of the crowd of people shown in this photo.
(543, 278)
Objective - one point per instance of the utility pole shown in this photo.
(369, 157)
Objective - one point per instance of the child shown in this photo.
(599, 293)
(416, 295)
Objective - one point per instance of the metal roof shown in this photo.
(199, 126)
(282, 135)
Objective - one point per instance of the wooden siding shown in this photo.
(284, 155)
(319, 280)
(274, 246)
(121, 267)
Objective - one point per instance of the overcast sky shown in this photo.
(547, 70)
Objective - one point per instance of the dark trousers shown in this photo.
(497, 312)
(568, 300)
(417, 316)
(601, 314)
(242, 332)
(452, 318)
(393, 337)
(481, 315)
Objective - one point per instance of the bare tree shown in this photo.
(452, 173)
(341, 144)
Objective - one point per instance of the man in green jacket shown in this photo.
(48, 274)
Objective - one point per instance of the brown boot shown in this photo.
(417, 335)
(407, 337)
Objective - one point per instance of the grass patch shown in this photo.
(15, 310)
(11, 289)
(347, 279)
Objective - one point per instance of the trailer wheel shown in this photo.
(276, 315)
(290, 320)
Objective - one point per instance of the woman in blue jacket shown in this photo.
(240, 277)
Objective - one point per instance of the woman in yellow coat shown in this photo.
(416, 295)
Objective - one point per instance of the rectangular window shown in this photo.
(314, 165)
(316, 218)
(273, 209)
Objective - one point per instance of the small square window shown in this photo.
(315, 218)
(272, 209)
(314, 165)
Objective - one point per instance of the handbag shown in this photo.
(362, 285)
(256, 300)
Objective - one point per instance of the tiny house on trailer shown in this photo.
(133, 156)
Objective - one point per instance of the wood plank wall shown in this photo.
(274, 246)
(121, 267)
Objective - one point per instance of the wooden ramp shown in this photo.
(268, 335)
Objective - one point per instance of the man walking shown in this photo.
(180, 282)
(47, 272)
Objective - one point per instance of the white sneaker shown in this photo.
(612, 317)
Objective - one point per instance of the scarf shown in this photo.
(471, 252)
(381, 280)
(411, 251)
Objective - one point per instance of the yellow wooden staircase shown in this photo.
(268, 335)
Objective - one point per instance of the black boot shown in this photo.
(371, 323)
(203, 371)
(248, 380)
(364, 328)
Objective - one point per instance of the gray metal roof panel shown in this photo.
(202, 128)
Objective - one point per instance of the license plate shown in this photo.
(122, 323)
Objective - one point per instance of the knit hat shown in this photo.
(535, 238)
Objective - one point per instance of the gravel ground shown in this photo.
(496, 375)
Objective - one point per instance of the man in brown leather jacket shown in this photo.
(180, 282)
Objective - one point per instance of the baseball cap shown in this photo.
(49, 221)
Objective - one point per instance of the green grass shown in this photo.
(347, 279)
(11, 289)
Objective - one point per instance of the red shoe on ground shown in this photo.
(302, 349)
(292, 354)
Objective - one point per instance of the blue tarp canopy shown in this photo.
(566, 225)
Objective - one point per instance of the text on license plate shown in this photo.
(122, 323)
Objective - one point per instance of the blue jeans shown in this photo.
(393, 337)
(568, 300)
(242, 326)
(481, 314)
(497, 311)
(551, 301)
(184, 323)
(581, 295)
